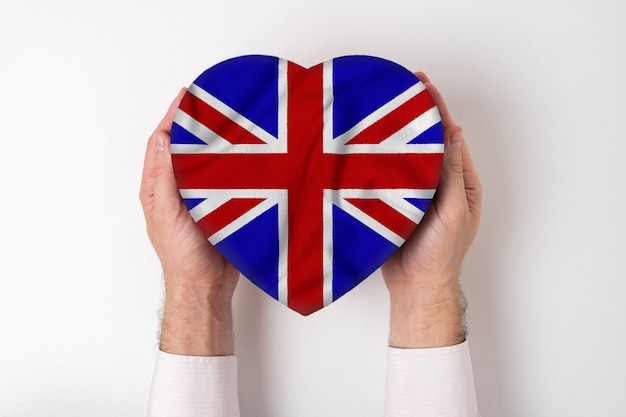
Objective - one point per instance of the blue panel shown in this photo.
(192, 202)
(248, 84)
(420, 203)
(254, 251)
(180, 135)
(433, 134)
(358, 252)
(361, 84)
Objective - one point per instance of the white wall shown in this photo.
(539, 87)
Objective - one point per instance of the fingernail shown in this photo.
(159, 144)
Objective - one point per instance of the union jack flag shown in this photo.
(307, 180)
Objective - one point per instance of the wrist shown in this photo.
(427, 316)
(197, 322)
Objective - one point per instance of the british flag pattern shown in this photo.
(307, 179)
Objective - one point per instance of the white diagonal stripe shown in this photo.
(214, 142)
(380, 113)
(395, 198)
(241, 221)
(415, 128)
(232, 114)
(340, 201)
(216, 197)
(217, 144)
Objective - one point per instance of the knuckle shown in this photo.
(456, 167)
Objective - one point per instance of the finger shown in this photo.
(166, 194)
(468, 163)
(165, 125)
(456, 151)
(146, 190)
(451, 184)
(473, 186)
(423, 77)
(165, 187)
(446, 117)
(470, 175)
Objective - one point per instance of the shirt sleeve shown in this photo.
(436, 382)
(194, 386)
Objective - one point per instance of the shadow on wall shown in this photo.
(488, 116)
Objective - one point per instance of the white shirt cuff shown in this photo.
(435, 382)
(194, 386)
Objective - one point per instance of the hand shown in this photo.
(422, 276)
(199, 282)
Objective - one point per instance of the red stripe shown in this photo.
(275, 171)
(217, 122)
(304, 132)
(226, 214)
(385, 214)
(395, 120)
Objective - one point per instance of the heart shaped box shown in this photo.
(307, 180)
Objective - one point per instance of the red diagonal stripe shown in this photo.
(395, 120)
(217, 122)
(385, 214)
(226, 214)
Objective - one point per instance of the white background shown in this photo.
(539, 87)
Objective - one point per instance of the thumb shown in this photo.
(165, 187)
(452, 172)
